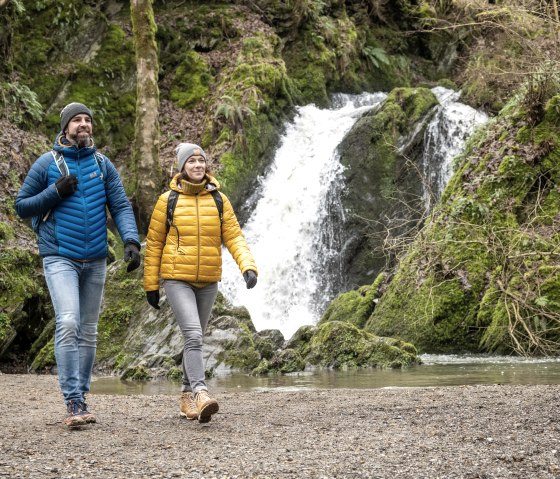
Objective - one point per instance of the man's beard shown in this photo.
(81, 139)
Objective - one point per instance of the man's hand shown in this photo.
(250, 278)
(66, 185)
(153, 298)
(132, 254)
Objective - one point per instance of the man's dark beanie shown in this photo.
(70, 111)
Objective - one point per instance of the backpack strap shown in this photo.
(64, 171)
(102, 164)
(63, 167)
(60, 163)
(219, 204)
(171, 203)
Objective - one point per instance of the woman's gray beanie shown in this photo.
(184, 151)
(70, 111)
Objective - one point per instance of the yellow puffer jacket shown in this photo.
(191, 251)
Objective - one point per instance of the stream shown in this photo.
(436, 371)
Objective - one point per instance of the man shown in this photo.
(66, 192)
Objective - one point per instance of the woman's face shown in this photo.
(195, 168)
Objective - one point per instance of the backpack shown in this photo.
(172, 202)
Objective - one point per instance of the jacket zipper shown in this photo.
(84, 206)
(198, 238)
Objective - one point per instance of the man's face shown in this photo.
(79, 130)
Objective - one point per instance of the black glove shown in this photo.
(250, 278)
(66, 185)
(132, 254)
(153, 298)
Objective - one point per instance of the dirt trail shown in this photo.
(448, 432)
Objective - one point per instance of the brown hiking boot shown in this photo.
(74, 415)
(205, 405)
(86, 415)
(188, 405)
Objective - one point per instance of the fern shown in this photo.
(19, 103)
(376, 56)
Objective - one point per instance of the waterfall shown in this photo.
(444, 139)
(288, 231)
(291, 231)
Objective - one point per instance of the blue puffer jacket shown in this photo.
(75, 227)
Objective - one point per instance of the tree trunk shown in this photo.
(145, 167)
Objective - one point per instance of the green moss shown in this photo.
(342, 345)
(191, 81)
(103, 84)
(474, 280)
(124, 298)
(45, 358)
(175, 374)
(6, 232)
(138, 373)
(282, 362)
(19, 277)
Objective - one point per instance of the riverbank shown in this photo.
(489, 432)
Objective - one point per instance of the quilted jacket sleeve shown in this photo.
(35, 196)
(155, 242)
(119, 206)
(234, 240)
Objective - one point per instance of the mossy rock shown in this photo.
(354, 307)
(45, 359)
(282, 362)
(342, 345)
(382, 189)
(138, 373)
(478, 278)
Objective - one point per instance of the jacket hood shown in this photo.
(211, 184)
(69, 150)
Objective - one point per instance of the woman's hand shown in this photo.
(153, 298)
(250, 278)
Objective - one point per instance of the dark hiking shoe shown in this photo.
(73, 415)
(188, 405)
(86, 415)
(206, 406)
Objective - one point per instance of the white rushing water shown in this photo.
(289, 231)
(285, 228)
(444, 139)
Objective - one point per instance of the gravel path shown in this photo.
(448, 432)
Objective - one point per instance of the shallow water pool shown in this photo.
(435, 371)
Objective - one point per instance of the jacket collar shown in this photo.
(62, 145)
(208, 184)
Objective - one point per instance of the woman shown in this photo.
(186, 254)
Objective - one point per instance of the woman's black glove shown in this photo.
(66, 185)
(250, 278)
(153, 298)
(132, 254)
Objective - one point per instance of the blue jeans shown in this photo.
(76, 290)
(192, 307)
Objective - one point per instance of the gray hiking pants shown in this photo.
(192, 307)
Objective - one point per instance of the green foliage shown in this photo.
(376, 56)
(19, 104)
